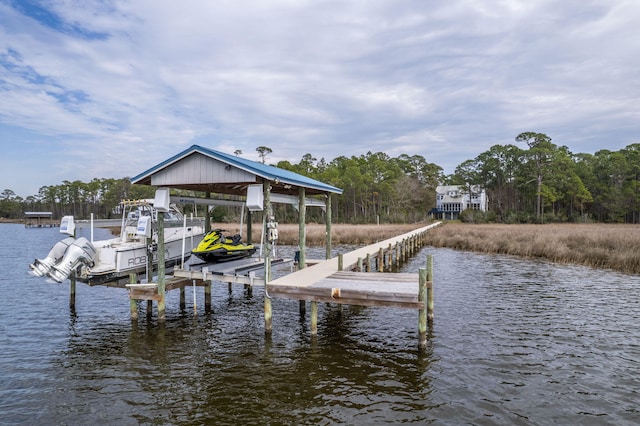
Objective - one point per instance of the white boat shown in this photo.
(111, 261)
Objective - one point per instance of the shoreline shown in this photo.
(603, 246)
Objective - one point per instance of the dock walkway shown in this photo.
(328, 281)
(348, 279)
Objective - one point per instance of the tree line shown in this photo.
(530, 181)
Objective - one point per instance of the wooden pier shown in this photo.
(357, 278)
(361, 277)
(201, 275)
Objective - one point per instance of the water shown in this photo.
(514, 342)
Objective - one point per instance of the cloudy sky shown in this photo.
(109, 88)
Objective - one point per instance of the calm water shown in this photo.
(514, 342)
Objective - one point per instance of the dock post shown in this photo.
(161, 268)
(183, 300)
(302, 238)
(314, 318)
(268, 312)
(207, 297)
(360, 265)
(381, 260)
(340, 262)
(149, 274)
(422, 312)
(430, 298)
(133, 304)
(328, 226)
(397, 250)
(72, 291)
(367, 263)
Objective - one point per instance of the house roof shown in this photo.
(203, 169)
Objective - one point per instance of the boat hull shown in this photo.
(116, 263)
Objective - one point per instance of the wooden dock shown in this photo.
(350, 279)
(201, 275)
(360, 277)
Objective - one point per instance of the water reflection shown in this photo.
(513, 342)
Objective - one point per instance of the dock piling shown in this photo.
(72, 291)
(314, 318)
(422, 312)
(161, 270)
(430, 298)
(133, 304)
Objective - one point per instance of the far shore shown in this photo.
(603, 246)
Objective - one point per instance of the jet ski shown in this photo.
(216, 247)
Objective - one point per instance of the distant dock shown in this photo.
(39, 220)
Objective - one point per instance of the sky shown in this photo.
(109, 88)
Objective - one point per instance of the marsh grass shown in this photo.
(315, 233)
(603, 246)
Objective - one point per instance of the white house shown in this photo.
(451, 200)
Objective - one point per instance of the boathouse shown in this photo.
(213, 172)
(39, 220)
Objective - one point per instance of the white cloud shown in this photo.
(114, 87)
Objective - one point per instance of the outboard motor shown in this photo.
(80, 252)
(41, 267)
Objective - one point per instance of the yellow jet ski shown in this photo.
(215, 247)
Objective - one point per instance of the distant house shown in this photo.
(451, 200)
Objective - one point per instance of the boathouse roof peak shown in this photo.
(202, 169)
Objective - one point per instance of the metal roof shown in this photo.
(203, 169)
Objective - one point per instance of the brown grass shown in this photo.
(315, 233)
(603, 246)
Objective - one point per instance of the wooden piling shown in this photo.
(183, 300)
(314, 318)
(422, 312)
(207, 297)
(430, 295)
(161, 269)
(72, 290)
(133, 304)
(302, 239)
(328, 227)
(268, 310)
(381, 260)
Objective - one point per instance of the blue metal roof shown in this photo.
(259, 169)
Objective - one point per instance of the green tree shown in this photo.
(263, 152)
(539, 155)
